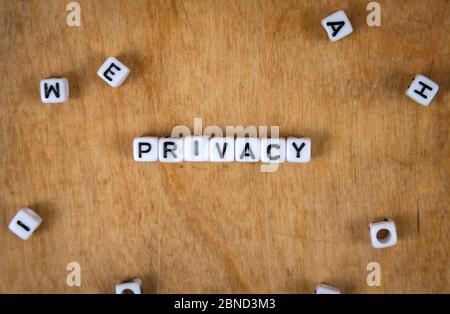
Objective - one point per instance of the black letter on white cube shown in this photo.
(54, 90)
(422, 90)
(145, 149)
(113, 72)
(109, 70)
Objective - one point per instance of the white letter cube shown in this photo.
(196, 148)
(113, 72)
(221, 149)
(24, 223)
(298, 149)
(170, 149)
(54, 90)
(145, 149)
(273, 150)
(326, 289)
(133, 286)
(337, 26)
(386, 226)
(247, 149)
(422, 90)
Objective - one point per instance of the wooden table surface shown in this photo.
(224, 228)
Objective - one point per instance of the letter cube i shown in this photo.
(422, 90)
(196, 148)
(24, 223)
(54, 90)
(113, 72)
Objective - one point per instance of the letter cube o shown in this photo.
(130, 287)
(383, 233)
(247, 149)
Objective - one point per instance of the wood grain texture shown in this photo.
(224, 228)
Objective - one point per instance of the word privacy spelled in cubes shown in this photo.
(113, 72)
(24, 223)
(337, 25)
(222, 149)
(54, 90)
(422, 90)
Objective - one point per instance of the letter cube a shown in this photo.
(196, 148)
(337, 25)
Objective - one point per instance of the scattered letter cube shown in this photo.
(383, 233)
(145, 149)
(326, 289)
(337, 25)
(54, 90)
(422, 90)
(131, 287)
(24, 223)
(113, 72)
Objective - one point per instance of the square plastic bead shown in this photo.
(337, 25)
